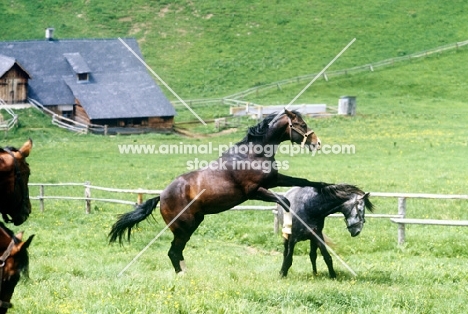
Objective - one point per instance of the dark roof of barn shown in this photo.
(119, 85)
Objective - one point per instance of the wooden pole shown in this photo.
(41, 198)
(88, 196)
(401, 226)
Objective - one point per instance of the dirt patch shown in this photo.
(164, 11)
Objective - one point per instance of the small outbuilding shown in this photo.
(13, 81)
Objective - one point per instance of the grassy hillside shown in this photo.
(214, 48)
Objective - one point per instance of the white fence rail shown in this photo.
(12, 121)
(399, 217)
(66, 123)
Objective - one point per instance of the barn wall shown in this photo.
(80, 115)
(161, 122)
(14, 85)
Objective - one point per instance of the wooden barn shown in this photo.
(93, 81)
(13, 81)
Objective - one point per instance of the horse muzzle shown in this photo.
(355, 229)
(312, 141)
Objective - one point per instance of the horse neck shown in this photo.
(277, 133)
(328, 207)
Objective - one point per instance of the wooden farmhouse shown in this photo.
(92, 81)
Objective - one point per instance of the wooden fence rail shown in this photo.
(399, 218)
(7, 124)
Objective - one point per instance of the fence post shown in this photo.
(402, 213)
(275, 222)
(88, 196)
(139, 198)
(41, 197)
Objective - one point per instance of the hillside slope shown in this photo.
(214, 48)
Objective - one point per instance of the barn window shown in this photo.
(67, 114)
(83, 77)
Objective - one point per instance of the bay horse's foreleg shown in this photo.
(263, 194)
(326, 256)
(313, 255)
(287, 256)
(283, 180)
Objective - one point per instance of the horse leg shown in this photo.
(263, 194)
(326, 256)
(175, 253)
(287, 256)
(313, 255)
(283, 180)
(182, 231)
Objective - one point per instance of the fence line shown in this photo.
(399, 217)
(66, 123)
(7, 124)
(298, 79)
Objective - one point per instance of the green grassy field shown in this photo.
(409, 133)
(234, 257)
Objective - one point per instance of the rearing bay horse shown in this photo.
(14, 176)
(244, 172)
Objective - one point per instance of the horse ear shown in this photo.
(290, 114)
(19, 235)
(26, 148)
(25, 245)
(366, 195)
(28, 241)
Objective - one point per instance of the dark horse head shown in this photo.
(355, 201)
(14, 261)
(287, 125)
(14, 176)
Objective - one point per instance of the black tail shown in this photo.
(130, 219)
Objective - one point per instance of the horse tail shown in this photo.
(328, 241)
(128, 220)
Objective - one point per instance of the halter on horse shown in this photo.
(14, 260)
(14, 176)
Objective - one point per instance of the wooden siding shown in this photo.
(161, 122)
(14, 85)
(79, 114)
(157, 123)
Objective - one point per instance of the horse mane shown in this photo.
(261, 128)
(11, 148)
(342, 192)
